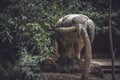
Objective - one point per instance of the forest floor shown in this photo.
(63, 76)
(77, 76)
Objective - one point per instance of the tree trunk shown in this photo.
(111, 43)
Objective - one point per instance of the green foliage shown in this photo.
(101, 24)
(34, 39)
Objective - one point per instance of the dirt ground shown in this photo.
(63, 76)
(68, 70)
(71, 70)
